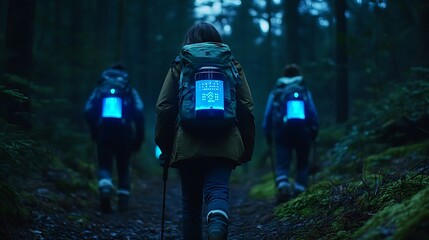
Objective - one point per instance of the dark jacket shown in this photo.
(180, 145)
(134, 110)
(267, 125)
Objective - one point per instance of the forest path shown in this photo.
(250, 218)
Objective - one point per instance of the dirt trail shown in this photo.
(250, 219)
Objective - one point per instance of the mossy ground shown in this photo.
(373, 179)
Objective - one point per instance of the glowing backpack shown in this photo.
(290, 105)
(207, 87)
(114, 94)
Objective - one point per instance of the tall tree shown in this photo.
(424, 26)
(269, 42)
(291, 26)
(104, 26)
(120, 30)
(19, 37)
(341, 62)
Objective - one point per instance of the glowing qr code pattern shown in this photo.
(209, 94)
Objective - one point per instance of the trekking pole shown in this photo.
(164, 177)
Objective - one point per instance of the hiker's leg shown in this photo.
(105, 159)
(216, 195)
(192, 196)
(105, 163)
(283, 158)
(302, 154)
(123, 162)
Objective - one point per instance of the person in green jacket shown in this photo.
(204, 165)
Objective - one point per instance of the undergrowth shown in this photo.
(372, 183)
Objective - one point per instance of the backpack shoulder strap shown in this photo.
(238, 67)
(176, 68)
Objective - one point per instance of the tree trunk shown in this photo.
(103, 36)
(424, 26)
(342, 62)
(269, 44)
(120, 31)
(19, 37)
(292, 25)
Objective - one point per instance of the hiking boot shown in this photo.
(123, 202)
(105, 196)
(217, 225)
(283, 192)
(298, 189)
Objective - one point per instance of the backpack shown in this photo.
(290, 106)
(207, 87)
(113, 96)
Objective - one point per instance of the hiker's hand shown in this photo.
(164, 159)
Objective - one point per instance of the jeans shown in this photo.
(208, 178)
(286, 142)
(115, 146)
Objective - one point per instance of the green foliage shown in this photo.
(266, 189)
(402, 114)
(7, 95)
(336, 209)
(51, 151)
(401, 157)
(373, 175)
(69, 181)
(304, 205)
(405, 220)
(11, 209)
(20, 156)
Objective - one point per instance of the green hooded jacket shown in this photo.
(180, 146)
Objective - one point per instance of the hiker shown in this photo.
(290, 120)
(114, 113)
(205, 127)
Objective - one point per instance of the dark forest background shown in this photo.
(348, 50)
(353, 53)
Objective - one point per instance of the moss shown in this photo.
(385, 158)
(399, 221)
(336, 209)
(311, 202)
(67, 180)
(400, 190)
(265, 190)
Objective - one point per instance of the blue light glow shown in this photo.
(296, 95)
(112, 91)
(209, 95)
(157, 152)
(112, 107)
(295, 110)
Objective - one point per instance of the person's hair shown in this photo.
(291, 70)
(118, 66)
(202, 32)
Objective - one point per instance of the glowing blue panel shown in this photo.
(112, 107)
(157, 152)
(209, 95)
(295, 109)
